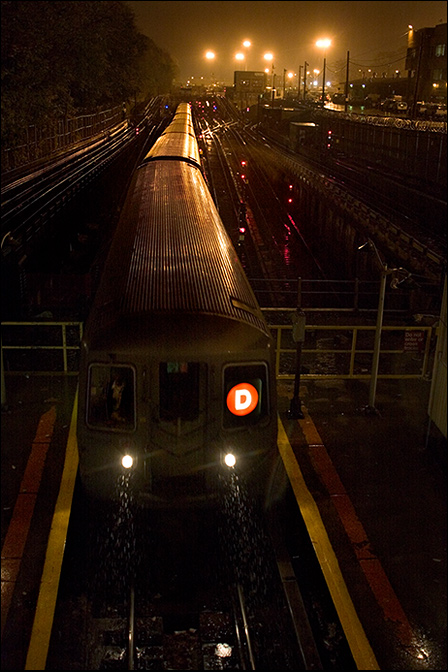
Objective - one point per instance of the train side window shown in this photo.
(111, 397)
(179, 390)
(245, 395)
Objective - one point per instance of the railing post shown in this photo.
(64, 345)
(298, 335)
(377, 345)
(356, 296)
(277, 354)
(3, 380)
(353, 352)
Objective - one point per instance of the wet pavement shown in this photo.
(379, 482)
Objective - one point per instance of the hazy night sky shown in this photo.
(375, 33)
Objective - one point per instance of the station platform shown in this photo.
(371, 487)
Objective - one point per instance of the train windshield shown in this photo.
(111, 397)
(179, 390)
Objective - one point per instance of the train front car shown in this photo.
(177, 361)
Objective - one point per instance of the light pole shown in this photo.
(270, 57)
(241, 57)
(323, 44)
(384, 272)
(304, 80)
(291, 75)
(210, 56)
(299, 82)
(246, 44)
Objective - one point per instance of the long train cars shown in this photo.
(177, 361)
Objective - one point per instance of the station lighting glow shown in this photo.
(229, 460)
(323, 43)
(210, 55)
(127, 461)
(247, 43)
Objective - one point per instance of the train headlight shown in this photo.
(229, 460)
(127, 461)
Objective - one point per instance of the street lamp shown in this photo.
(270, 57)
(210, 56)
(290, 76)
(384, 272)
(323, 44)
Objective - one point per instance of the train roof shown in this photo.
(171, 253)
(178, 140)
(180, 124)
(178, 146)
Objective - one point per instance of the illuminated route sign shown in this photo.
(242, 399)
(245, 394)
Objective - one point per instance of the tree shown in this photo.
(60, 57)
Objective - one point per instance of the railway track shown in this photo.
(31, 201)
(179, 590)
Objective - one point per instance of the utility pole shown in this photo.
(346, 82)
(299, 83)
(323, 83)
(304, 81)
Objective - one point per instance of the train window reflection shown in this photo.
(111, 401)
(179, 390)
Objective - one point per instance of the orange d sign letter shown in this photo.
(242, 399)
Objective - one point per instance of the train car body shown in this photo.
(177, 361)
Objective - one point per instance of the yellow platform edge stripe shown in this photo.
(46, 601)
(359, 645)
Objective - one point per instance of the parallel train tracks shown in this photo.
(179, 591)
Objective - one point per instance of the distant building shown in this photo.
(247, 87)
(426, 63)
(425, 80)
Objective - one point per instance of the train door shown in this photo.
(180, 419)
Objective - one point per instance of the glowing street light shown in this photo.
(323, 44)
(210, 56)
(246, 44)
(290, 76)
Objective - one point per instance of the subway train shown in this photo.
(176, 382)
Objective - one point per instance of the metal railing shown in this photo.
(329, 351)
(341, 351)
(38, 143)
(42, 339)
(343, 295)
